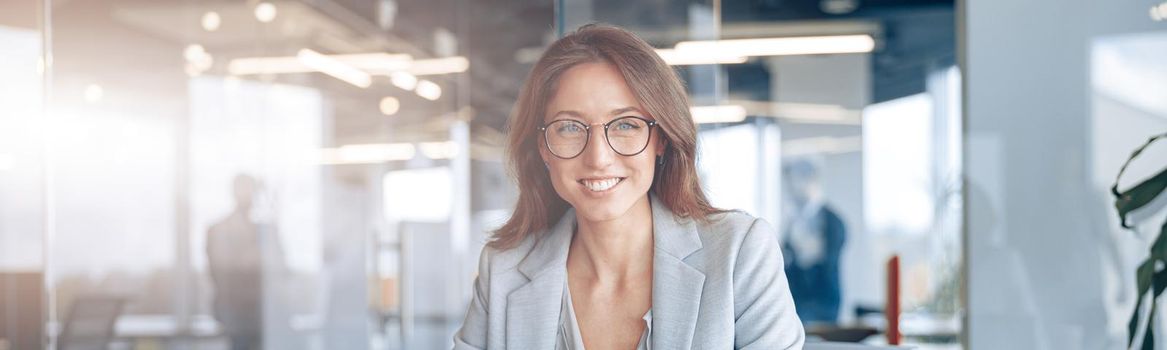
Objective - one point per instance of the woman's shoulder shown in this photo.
(505, 258)
(732, 230)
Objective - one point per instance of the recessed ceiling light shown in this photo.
(265, 12)
(390, 105)
(211, 21)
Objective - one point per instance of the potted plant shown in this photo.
(1152, 272)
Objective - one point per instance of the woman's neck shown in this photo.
(613, 251)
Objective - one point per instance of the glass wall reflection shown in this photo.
(251, 174)
(22, 177)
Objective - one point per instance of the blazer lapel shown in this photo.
(676, 286)
(533, 309)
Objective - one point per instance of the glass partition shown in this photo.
(253, 174)
(24, 310)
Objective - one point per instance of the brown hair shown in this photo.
(655, 85)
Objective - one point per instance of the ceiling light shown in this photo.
(677, 58)
(810, 45)
(211, 21)
(435, 66)
(429, 90)
(375, 62)
(197, 60)
(93, 93)
(390, 105)
(334, 68)
(718, 114)
(265, 12)
(193, 52)
(403, 80)
(371, 63)
(439, 150)
(267, 65)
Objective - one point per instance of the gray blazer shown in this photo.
(715, 286)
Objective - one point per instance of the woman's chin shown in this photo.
(603, 210)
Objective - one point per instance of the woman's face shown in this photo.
(599, 183)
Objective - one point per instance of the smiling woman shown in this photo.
(602, 142)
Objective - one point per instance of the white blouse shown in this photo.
(569, 337)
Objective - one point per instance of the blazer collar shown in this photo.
(676, 285)
(533, 310)
(674, 235)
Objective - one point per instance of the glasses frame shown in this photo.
(588, 136)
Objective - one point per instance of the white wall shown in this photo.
(1045, 257)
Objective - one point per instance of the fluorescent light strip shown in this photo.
(428, 90)
(370, 63)
(680, 58)
(336, 69)
(403, 80)
(267, 65)
(376, 61)
(810, 45)
(433, 66)
(718, 114)
(439, 150)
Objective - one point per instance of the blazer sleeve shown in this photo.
(472, 335)
(763, 306)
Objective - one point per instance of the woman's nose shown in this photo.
(597, 153)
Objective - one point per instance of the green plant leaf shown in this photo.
(1160, 284)
(1141, 194)
(1133, 326)
(1143, 278)
(1149, 338)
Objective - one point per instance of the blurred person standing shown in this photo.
(239, 251)
(813, 238)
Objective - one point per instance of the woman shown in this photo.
(612, 244)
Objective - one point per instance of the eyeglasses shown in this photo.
(628, 136)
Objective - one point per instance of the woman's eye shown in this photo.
(570, 128)
(626, 125)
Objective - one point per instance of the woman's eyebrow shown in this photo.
(625, 110)
(579, 115)
(568, 113)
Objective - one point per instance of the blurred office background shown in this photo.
(322, 174)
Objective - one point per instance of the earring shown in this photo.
(660, 160)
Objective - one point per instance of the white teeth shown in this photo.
(600, 185)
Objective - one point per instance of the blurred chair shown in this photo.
(90, 323)
(849, 346)
(832, 333)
